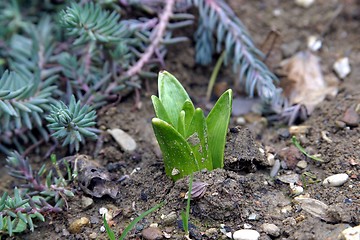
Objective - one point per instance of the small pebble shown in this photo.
(275, 169)
(247, 226)
(296, 190)
(245, 234)
(304, 3)
(169, 219)
(342, 67)
(352, 233)
(125, 141)
(253, 217)
(152, 233)
(289, 178)
(351, 117)
(103, 211)
(336, 180)
(102, 229)
(77, 225)
(314, 43)
(271, 229)
(240, 121)
(314, 207)
(93, 235)
(86, 202)
(302, 164)
(303, 129)
(271, 159)
(340, 124)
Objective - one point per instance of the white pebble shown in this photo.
(342, 67)
(103, 211)
(102, 229)
(352, 233)
(126, 142)
(271, 229)
(314, 43)
(304, 3)
(271, 159)
(336, 180)
(246, 234)
(296, 190)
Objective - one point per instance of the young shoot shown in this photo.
(188, 140)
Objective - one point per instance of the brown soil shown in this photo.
(245, 188)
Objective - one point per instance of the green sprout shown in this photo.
(189, 141)
(185, 215)
(111, 233)
(296, 142)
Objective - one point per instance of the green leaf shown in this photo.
(181, 123)
(9, 225)
(189, 113)
(159, 109)
(301, 149)
(178, 157)
(136, 220)
(198, 140)
(109, 232)
(20, 226)
(217, 123)
(172, 95)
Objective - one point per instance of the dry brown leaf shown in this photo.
(304, 82)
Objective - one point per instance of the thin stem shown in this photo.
(164, 19)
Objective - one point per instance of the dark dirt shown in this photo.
(245, 194)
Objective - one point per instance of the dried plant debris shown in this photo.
(198, 190)
(304, 83)
(95, 180)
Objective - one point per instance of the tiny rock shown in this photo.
(93, 235)
(296, 190)
(169, 219)
(245, 234)
(314, 43)
(271, 159)
(302, 164)
(77, 225)
(289, 178)
(299, 129)
(313, 206)
(336, 180)
(125, 141)
(304, 3)
(342, 67)
(351, 117)
(352, 233)
(152, 233)
(86, 202)
(275, 169)
(271, 229)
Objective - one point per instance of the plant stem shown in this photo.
(159, 32)
(214, 75)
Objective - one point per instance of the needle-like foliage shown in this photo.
(220, 30)
(72, 123)
(56, 49)
(34, 198)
